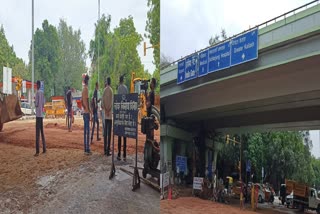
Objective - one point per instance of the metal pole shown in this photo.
(32, 86)
(98, 39)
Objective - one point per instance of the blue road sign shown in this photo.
(219, 57)
(181, 163)
(191, 67)
(244, 48)
(203, 63)
(181, 72)
(125, 115)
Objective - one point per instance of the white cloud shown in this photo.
(15, 16)
(187, 26)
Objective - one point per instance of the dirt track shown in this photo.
(20, 171)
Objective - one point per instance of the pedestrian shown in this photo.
(107, 105)
(39, 102)
(69, 108)
(151, 97)
(86, 115)
(122, 89)
(95, 102)
(102, 112)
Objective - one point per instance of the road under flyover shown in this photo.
(278, 91)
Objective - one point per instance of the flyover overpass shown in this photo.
(279, 90)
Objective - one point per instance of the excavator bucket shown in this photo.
(9, 108)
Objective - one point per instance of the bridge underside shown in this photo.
(282, 97)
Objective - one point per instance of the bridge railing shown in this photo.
(262, 25)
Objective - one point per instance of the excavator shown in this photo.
(148, 125)
(10, 106)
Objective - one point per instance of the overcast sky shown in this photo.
(15, 16)
(187, 25)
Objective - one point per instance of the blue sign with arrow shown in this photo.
(191, 67)
(219, 57)
(203, 63)
(244, 48)
(181, 72)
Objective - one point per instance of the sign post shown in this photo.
(238, 50)
(188, 69)
(125, 117)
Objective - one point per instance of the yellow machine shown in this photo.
(140, 86)
(148, 125)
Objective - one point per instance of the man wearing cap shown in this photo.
(107, 105)
(122, 89)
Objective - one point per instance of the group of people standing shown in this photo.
(105, 104)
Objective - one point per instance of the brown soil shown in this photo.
(196, 205)
(64, 150)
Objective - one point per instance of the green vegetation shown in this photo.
(153, 29)
(284, 155)
(8, 58)
(118, 53)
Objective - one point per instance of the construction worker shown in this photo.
(122, 89)
(39, 103)
(86, 115)
(95, 102)
(107, 105)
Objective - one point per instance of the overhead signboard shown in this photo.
(240, 49)
(191, 70)
(219, 57)
(181, 72)
(244, 48)
(203, 63)
(125, 115)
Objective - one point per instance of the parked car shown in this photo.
(26, 108)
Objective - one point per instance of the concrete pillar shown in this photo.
(217, 146)
(166, 153)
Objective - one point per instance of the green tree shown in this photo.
(102, 34)
(47, 50)
(72, 57)
(153, 29)
(119, 55)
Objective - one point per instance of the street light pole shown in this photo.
(98, 38)
(32, 58)
(240, 179)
